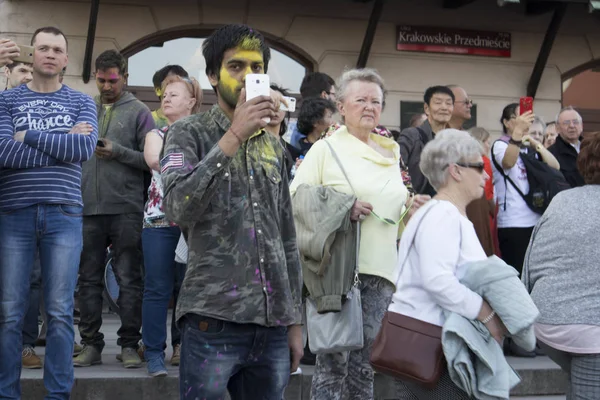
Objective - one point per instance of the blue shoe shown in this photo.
(156, 367)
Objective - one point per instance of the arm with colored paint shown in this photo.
(191, 170)
(72, 147)
(135, 157)
(14, 154)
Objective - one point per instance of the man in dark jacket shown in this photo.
(569, 125)
(438, 106)
(113, 199)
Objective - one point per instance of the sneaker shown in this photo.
(77, 349)
(176, 355)
(140, 350)
(297, 372)
(130, 358)
(29, 359)
(156, 367)
(89, 356)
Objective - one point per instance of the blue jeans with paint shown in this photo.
(251, 361)
(161, 274)
(56, 232)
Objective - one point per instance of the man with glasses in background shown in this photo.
(462, 107)
(569, 126)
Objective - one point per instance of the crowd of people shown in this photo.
(269, 221)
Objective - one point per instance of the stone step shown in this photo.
(110, 381)
(541, 378)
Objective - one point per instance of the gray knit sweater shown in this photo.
(562, 265)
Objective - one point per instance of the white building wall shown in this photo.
(331, 32)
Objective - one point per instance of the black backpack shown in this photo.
(427, 188)
(544, 182)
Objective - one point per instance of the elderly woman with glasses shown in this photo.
(371, 163)
(430, 266)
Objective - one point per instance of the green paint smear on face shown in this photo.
(250, 43)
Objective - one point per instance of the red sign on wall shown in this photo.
(454, 41)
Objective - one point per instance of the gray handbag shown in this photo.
(336, 332)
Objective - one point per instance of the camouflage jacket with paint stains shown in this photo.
(243, 263)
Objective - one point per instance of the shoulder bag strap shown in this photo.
(339, 163)
(412, 241)
(506, 177)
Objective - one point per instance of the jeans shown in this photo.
(55, 232)
(124, 232)
(30, 325)
(251, 361)
(160, 274)
(179, 275)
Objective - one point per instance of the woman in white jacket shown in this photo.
(430, 267)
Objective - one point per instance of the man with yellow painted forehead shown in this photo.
(226, 185)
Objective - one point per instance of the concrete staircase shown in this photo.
(541, 379)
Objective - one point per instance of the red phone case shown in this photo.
(525, 104)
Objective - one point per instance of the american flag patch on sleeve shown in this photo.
(173, 160)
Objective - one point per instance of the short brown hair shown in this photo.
(52, 30)
(192, 85)
(588, 161)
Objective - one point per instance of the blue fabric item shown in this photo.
(30, 325)
(160, 273)
(248, 360)
(56, 232)
(156, 366)
(476, 362)
(49, 159)
(296, 136)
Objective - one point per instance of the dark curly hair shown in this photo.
(312, 111)
(230, 37)
(588, 161)
(111, 59)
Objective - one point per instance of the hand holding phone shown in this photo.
(258, 85)
(100, 143)
(525, 105)
(26, 54)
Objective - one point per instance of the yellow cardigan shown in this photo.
(376, 179)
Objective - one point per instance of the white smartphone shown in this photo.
(258, 85)
(291, 107)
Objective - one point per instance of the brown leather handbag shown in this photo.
(408, 348)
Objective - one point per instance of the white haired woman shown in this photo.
(430, 266)
(372, 166)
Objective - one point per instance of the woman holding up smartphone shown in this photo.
(181, 98)
(515, 219)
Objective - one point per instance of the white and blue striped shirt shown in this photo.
(46, 167)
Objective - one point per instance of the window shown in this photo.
(187, 52)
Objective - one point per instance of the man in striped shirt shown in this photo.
(46, 131)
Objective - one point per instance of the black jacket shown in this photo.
(412, 141)
(567, 157)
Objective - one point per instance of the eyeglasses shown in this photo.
(479, 166)
(575, 122)
(391, 221)
(467, 102)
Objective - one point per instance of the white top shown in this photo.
(429, 281)
(578, 339)
(513, 212)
